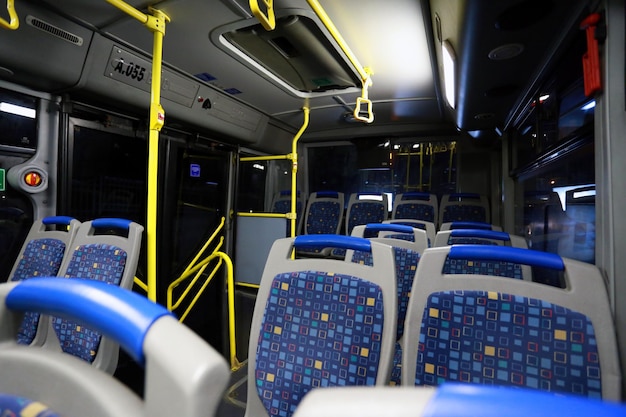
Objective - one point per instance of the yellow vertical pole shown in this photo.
(157, 119)
(294, 169)
(14, 21)
(156, 24)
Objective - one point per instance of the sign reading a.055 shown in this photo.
(130, 69)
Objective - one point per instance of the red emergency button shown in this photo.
(33, 178)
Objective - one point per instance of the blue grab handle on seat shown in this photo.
(479, 233)
(111, 222)
(470, 225)
(388, 227)
(64, 220)
(415, 196)
(334, 241)
(118, 313)
(507, 254)
(456, 399)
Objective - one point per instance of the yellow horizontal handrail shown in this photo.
(265, 158)
(13, 22)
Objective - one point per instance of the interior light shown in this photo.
(544, 97)
(396, 147)
(416, 146)
(449, 72)
(589, 105)
(18, 110)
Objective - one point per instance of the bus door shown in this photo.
(28, 195)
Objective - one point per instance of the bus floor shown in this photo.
(233, 403)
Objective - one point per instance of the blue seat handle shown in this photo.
(116, 312)
(62, 220)
(111, 222)
(388, 227)
(470, 225)
(414, 195)
(334, 241)
(479, 233)
(456, 399)
(507, 254)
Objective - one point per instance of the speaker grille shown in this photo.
(53, 30)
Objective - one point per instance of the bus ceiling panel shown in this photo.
(117, 74)
(502, 48)
(391, 38)
(46, 52)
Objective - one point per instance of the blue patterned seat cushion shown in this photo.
(364, 213)
(415, 211)
(500, 339)
(405, 261)
(14, 406)
(98, 262)
(482, 267)
(396, 370)
(318, 330)
(323, 217)
(41, 258)
(466, 213)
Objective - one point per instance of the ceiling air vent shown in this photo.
(53, 30)
(296, 55)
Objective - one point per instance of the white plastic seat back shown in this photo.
(478, 237)
(500, 331)
(320, 322)
(184, 375)
(464, 207)
(469, 225)
(416, 206)
(46, 246)
(324, 213)
(364, 208)
(105, 250)
(429, 227)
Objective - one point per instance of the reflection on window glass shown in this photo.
(559, 207)
(383, 166)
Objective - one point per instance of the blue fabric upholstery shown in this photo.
(365, 212)
(284, 206)
(99, 262)
(465, 212)
(318, 330)
(493, 268)
(406, 262)
(41, 257)
(323, 217)
(416, 211)
(15, 406)
(499, 339)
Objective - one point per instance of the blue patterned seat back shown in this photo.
(323, 218)
(482, 267)
(98, 262)
(500, 339)
(464, 212)
(415, 211)
(406, 262)
(365, 212)
(41, 257)
(318, 330)
(402, 236)
(15, 406)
